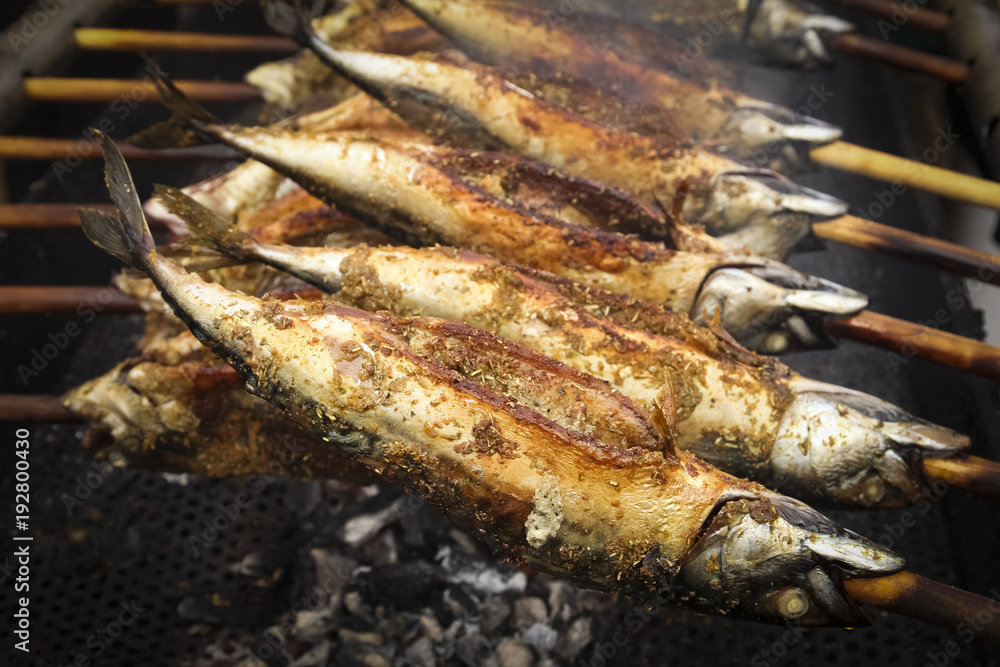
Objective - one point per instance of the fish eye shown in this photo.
(793, 603)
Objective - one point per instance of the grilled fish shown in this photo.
(787, 31)
(748, 415)
(623, 512)
(303, 83)
(251, 185)
(474, 106)
(416, 190)
(631, 94)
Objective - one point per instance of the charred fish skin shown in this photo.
(474, 106)
(789, 32)
(620, 519)
(744, 414)
(414, 189)
(568, 49)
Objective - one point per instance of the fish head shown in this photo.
(761, 210)
(775, 559)
(855, 449)
(774, 137)
(791, 32)
(772, 309)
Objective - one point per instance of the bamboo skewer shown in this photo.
(42, 299)
(909, 340)
(53, 89)
(117, 39)
(848, 230)
(909, 173)
(35, 409)
(839, 155)
(904, 593)
(898, 12)
(47, 148)
(928, 600)
(46, 216)
(950, 257)
(969, 473)
(904, 338)
(900, 57)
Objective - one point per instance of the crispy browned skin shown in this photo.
(568, 53)
(728, 402)
(610, 516)
(415, 189)
(678, 17)
(474, 106)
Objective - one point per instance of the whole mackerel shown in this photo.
(616, 508)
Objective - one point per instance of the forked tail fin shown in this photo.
(127, 236)
(189, 126)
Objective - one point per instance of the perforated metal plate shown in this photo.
(131, 538)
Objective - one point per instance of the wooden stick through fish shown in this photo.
(910, 340)
(48, 148)
(43, 299)
(909, 13)
(54, 89)
(23, 408)
(908, 173)
(919, 597)
(907, 339)
(951, 257)
(899, 57)
(121, 39)
(46, 216)
(969, 473)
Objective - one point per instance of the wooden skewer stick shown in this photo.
(969, 473)
(37, 409)
(911, 15)
(918, 597)
(901, 57)
(904, 338)
(46, 148)
(909, 340)
(52, 89)
(40, 299)
(119, 39)
(861, 233)
(46, 216)
(909, 173)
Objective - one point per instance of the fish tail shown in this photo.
(190, 124)
(203, 222)
(127, 235)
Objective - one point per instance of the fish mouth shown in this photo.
(772, 309)
(791, 32)
(773, 137)
(836, 444)
(762, 210)
(777, 560)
